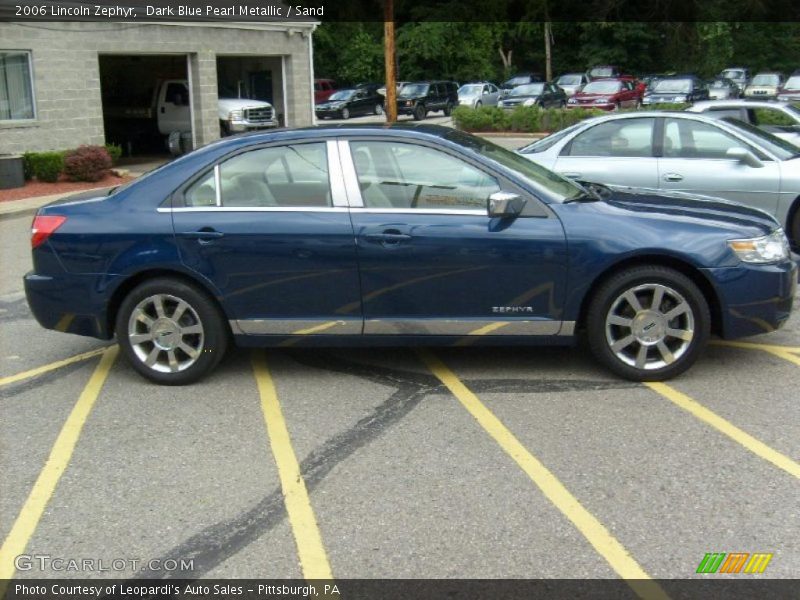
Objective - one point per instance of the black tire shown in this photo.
(562, 104)
(178, 368)
(419, 112)
(224, 129)
(478, 104)
(617, 106)
(794, 231)
(693, 321)
(345, 113)
(448, 108)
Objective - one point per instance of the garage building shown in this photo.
(63, 84)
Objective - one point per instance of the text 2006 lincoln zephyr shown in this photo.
(399, 235)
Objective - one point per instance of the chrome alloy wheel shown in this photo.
(165, 333)
(649, 326)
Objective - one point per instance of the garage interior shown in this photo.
(253, 77)
(128, 85)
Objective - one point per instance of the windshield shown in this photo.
(414, 89)
(673, 86)
(733, 74)
(547, 142)
(766, 79)
(602, 72)
(720, 83)
(561, 187)
(532, 89)
(342, 95)
(518, 80)
(569, 80)
(602, 87)
(470, 90)
(780, 148)
(793, 83)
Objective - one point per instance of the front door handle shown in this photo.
(571, 175)
(206, 235)
(673, 177)
(388, 238)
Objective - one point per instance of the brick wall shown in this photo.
(67, 77)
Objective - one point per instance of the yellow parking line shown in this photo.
(756, 346)
(310, 550)
(56, 464)
(50, 367)
(724, 426)
(595, 532)
(317, 328)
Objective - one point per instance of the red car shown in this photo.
(323, 89)
(608, 94)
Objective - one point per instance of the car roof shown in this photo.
(405, 129)
(738, 103)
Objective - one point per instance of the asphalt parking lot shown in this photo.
(445, 463)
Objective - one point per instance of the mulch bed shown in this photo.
(62, 186)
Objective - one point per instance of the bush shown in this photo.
(27, 165)
(45, 166)
(115, 152)
(523, 119)
(87, 163)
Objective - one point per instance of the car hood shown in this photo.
(229, 104)
(676, 205)
(520, 97)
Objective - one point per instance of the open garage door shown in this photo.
(258, 78)
(145, 98)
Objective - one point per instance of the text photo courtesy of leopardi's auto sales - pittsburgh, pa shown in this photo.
(383, 299)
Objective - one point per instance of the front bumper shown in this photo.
(241, 126)
(604, 106)
(754, 299)
(328, 114)
(71, 304)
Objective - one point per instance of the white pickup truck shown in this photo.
(235, 114)
(169, 110)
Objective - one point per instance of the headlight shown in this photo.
(783, 98)
(409, 103)
(572, 101)
(235, 115)
(768, 249)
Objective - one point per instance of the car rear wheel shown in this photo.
(478, 104)
(648, 323)
(171, 332)
(345, 113)
(419, 113)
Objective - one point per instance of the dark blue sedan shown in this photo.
(399, 235)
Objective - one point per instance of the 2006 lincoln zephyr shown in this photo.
(399, 235)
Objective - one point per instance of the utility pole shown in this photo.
(547, 59)
(390, 104)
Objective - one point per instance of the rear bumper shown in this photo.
(71, 304)
(754, 299)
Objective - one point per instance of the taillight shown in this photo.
(43, 227)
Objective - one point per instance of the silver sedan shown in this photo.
(477, 94)
(685, 152)
(778, 118)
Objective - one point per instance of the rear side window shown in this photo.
(281, 176)
(625, 137)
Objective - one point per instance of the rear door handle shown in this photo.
(673, 177)
(387, 238)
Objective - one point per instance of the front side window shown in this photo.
(685, 138)
(625, 137)
(16, 86)
(402, 175)
(281, 176)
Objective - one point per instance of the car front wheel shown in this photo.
(448, 108)
(419, 113)
(345, 113)
(648, 323)
(794, 231)
(171, 332)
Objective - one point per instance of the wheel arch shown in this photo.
(682, 266)
(124, 288)
(794, 210)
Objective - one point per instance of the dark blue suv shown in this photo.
(393, 236)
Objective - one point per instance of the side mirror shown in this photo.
(744, 155)
(504, 204)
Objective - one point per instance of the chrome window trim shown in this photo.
(335, 177)
(349, 176)
(217, 185)
(424, 211)
(299, 209)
